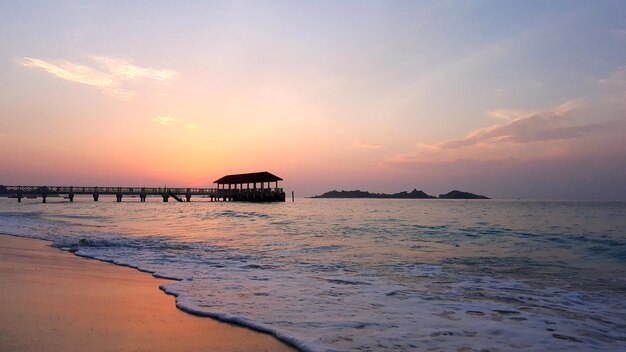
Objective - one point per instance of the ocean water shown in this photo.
(369, 275)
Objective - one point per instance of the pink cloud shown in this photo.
(112, 76)
(358, 145)
(551, 125)
(617, 79)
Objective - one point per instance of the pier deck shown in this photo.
(229, 188)
(179, 194)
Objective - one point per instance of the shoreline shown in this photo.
(54, 300)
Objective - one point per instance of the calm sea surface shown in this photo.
(369, 275)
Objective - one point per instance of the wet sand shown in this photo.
(51, 300)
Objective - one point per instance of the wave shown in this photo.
(324, 285)
(237, 214)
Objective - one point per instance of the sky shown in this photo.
(511, 99)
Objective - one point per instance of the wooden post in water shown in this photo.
(292, 197)
(230, 188)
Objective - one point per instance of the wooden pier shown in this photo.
(251, 187)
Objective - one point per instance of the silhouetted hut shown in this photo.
(258, 187)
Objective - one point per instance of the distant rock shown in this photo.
(461, 195)
(414, 194)
(345, 194)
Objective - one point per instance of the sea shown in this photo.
(368, 274)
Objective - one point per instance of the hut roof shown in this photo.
(248, 178)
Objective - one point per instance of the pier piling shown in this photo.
(230, 188)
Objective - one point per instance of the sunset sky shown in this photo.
(511, 99)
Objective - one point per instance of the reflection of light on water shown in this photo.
(346, 274)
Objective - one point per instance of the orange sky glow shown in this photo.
(390, 97)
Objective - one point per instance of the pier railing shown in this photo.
(235, 194)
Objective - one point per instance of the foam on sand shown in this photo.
(54, 301)
(359, 275)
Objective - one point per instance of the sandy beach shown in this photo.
(51, 300)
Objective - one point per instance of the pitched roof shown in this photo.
(248, 178)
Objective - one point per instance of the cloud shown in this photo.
(169, 120)
(125, 70)
(526, 135)
(358, 145)
(165, 120)
(504, 114)
(112, 76)
(551, 125)
(617, 79)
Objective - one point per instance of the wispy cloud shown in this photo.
(358, 145)
(169, 120)
(112, 76)
(550, 133)
(550, 125)
(165, 120)
(617, 79)
(506, 114)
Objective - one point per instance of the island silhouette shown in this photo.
(414, 194)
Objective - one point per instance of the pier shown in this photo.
(250, 187)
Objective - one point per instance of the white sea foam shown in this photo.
(324, 277)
